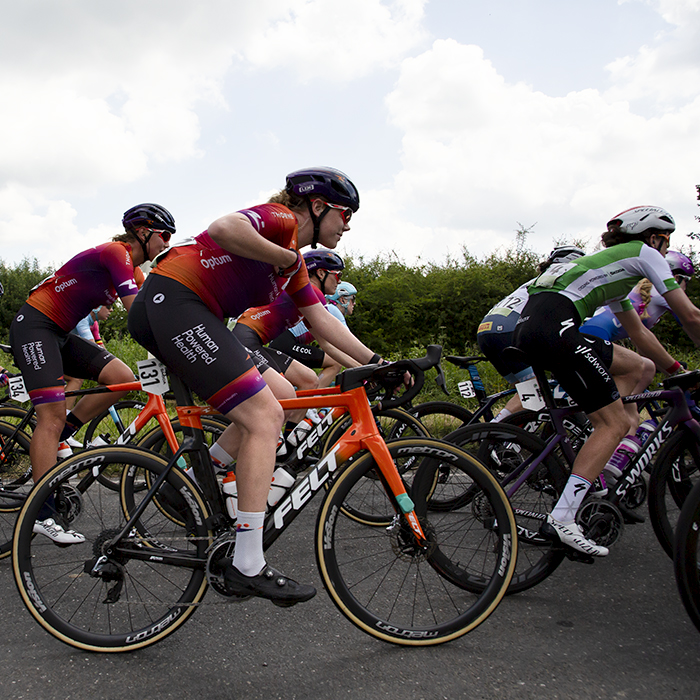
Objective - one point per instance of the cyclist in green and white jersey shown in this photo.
(592, 371)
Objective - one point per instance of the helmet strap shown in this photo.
(316, 221)
(144, 244)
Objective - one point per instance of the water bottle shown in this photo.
(300, 431)
(646, 429)
(628, 447)
(230, 490)
(281, 481)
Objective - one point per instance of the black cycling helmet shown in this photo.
(150, 216)
(565, 253)
(327, 184)
(323, 260)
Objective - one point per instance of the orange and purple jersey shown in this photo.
(94, 277)
(270, 321)
(229, 284)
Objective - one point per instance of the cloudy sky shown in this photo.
(458, 120)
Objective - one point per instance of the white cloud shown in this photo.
(480, 155)
(339, 40)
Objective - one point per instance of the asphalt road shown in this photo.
(615, 629)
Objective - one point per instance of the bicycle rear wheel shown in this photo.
(675, 472)
(394, 589)
(503, 449)
(112, 593)
(15, 481)
(687, 555)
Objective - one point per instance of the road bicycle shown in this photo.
(686, 561)
(151, 427)
(531, 472)
(150, 556)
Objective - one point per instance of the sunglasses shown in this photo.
(345, 212)
(681, 278)
(165, 235)
(335, 274)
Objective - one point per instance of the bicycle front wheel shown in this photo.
(116, 591)
(505, 450)
(672, 478)
(391, 587)
(687, 555)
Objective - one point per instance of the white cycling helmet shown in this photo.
(639, 219)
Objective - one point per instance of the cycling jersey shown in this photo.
(604, 323)
(304, 336)
(549, 326)
(271, 320)
(94, 277)
(606, 277)
(495, 333)
(178, 315)
(229, 284)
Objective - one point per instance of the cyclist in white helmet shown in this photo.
(595, 373)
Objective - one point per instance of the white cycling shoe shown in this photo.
(51, 529)
(570, 535)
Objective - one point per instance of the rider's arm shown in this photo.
(235, 233)
(340, 357)
(645, 341)
(324, 325)
(686, 312)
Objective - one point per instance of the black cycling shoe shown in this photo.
(270, 584)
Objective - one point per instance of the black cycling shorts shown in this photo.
(494, 335)
(264, 357)
(548, 332)
(44, 352)
(177, 327)
(306, 354)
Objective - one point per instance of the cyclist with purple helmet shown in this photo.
(325, 270)
(592, 371)
(244, 259)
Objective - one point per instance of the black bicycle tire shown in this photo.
(14, 445)
(686, 562)
(533, 500)
(670, 482)
(15, 414)
(55, 583)
(353, 574)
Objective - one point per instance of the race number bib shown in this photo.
(18, 391)
(466, 390)
(530, 395)
(153, 376)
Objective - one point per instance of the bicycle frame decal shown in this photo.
(649, 450)
(314, 435)
(306, 488)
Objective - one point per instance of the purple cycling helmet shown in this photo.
(680, 264)
(323, 260)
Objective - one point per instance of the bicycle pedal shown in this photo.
(575, 555)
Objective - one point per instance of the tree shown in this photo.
(18, 281)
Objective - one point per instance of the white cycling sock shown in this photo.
(571, 498)
(504, 413)
(219, 457)
(248, 556)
